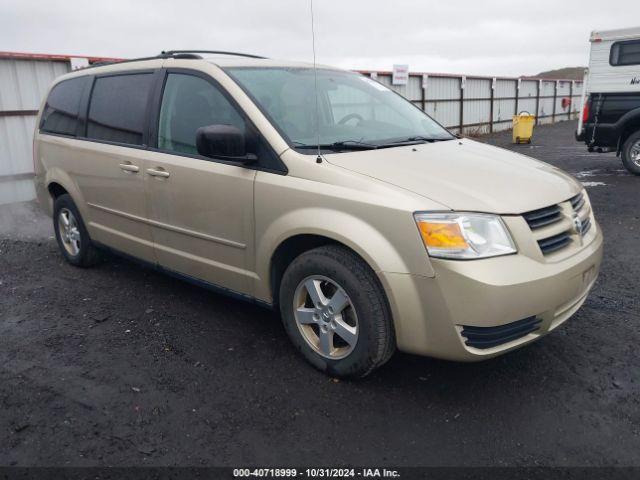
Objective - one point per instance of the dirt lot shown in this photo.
(120, 365)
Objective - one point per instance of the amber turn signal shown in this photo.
(442, 235)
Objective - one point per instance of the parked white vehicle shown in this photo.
(610, 117)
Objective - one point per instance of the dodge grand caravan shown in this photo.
(320, 193)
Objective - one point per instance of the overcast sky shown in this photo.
(475, 37)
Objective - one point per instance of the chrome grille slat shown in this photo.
(565, 224)
(577, 202)
(555, 243)
(543, 217)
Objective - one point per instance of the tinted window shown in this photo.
(63, 105)
(188, 103)
(625, 53)
(118, 107)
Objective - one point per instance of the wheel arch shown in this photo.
(278, 246)
(55, 190)
(291, 248)
(57, 182)
(629, 124)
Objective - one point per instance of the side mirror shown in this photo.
(224, 142)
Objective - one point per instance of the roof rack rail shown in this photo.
(99, 64)
(114, 62)
(216, 52)
(187, 54)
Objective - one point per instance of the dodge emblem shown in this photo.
(577, 225)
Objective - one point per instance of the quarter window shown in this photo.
(118, 108)
(188, 103)
(63, 106)
(625, 53)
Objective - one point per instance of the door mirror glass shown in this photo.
(220, 141)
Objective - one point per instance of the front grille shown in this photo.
(544, 216)
(488, 337)
(551, 244)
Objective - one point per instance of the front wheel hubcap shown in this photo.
(325, 317)
(69, 231)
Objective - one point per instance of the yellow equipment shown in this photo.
(523, 127)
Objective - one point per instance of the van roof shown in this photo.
(618, 34)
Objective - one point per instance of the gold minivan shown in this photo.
(318, 192)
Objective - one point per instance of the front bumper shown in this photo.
(430, 313)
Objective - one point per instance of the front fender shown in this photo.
(615, 132)
(370, 243)
(632, 116)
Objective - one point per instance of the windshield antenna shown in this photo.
(315, 81)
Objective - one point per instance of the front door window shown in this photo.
(188, 103)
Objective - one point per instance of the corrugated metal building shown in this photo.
(467, 104)
(24, 80)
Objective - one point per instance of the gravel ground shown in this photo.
(120, 365)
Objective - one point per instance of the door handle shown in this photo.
(157, 173)
(129, 167)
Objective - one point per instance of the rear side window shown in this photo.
(63, 106)
(625, 53)
(118, 108)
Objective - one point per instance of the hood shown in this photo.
(465, 175)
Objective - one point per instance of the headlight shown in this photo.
(464, 235)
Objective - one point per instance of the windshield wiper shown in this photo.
(344, 145)
(418, 139)
(358, 145)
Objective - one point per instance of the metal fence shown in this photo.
(24, 80)
(474, 105)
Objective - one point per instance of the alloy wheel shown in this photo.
(325, 317)
(69, 231)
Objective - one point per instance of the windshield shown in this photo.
(354, 111)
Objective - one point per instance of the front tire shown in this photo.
(336, 313)
(71, 234)
(631, 153)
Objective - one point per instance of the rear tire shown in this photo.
(361, 334)
(71, 234)
(631, 153)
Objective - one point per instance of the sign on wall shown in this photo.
(77, 63)
(400, 75)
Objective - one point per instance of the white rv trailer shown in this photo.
(610, 117)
